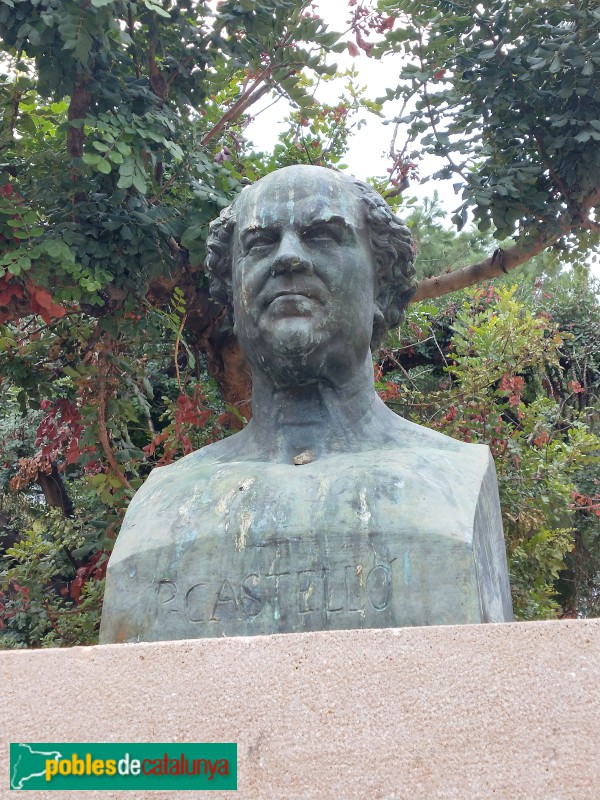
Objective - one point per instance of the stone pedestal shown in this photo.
(400, 537)
(467, 712)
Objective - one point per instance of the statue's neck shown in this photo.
(314, 419)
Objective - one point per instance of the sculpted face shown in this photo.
(303, 278)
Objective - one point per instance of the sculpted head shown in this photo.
(310, 262)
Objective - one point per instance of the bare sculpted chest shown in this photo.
(359, 540)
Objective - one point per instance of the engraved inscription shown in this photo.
(193, 603)
(251, 602)
(379, 586)
(307, 589)
(167, 591)
(320, 592)
(226, 602)
(333, 603)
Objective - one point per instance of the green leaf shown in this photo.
(27, 124)
(139, 182)
(329, 39)
(125, 182)
(83, 46)
(57, 249)
(157, 9)
(128, 167)
(194, 232)
(123, 148)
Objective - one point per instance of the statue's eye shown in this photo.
(259, 240)
(321, 233)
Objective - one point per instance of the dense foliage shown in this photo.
(509, 95)
(519, 370)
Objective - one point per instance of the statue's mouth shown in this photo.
(291, 294)
(301, 293)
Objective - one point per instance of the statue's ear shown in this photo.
(379, 326)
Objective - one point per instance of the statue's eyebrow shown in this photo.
(335, 220)
(326, 219)
(254, 227)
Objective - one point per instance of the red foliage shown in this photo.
(11, 298)
(514, 387)
(59, 431)
(13, 600)
(9, 290)
(41, 303)
(542, 439)
(584, 502)
(364, 22)
(402, 172)
(576, 387)
(94, 569)
(451, 414)
(390, 391)
(189, 411)
(40, 300)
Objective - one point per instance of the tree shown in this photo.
(510, 96)
(517, 369)
(121, 127)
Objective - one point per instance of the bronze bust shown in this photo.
(328, 510)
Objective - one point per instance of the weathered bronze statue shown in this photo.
(328, 510)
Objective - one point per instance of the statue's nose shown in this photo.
(290, 256)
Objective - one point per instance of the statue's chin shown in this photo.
(287, 353)
(294, 338)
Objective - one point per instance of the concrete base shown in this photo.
(482, 711)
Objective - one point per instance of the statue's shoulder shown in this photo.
(418, 436)
(174, 478)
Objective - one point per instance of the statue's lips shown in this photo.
(292, 295)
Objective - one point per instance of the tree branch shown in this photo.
(54, 490)
(102, 429)
(177, 343)
(500, 262)
(455, 168)
(237, 109)
(78, 108)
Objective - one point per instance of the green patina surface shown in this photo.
(363, 540)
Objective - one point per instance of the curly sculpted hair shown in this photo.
(391, 245)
